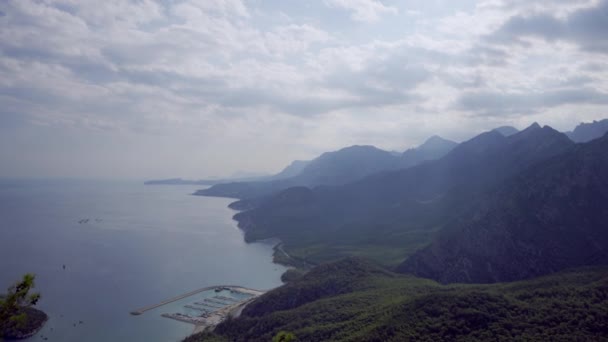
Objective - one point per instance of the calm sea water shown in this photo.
(140, 245)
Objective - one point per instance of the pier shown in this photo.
(197, 308)
(231, 288)
(217, 302)
(208, 305)
(228, 299)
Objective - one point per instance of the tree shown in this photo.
(284, 336)
(16, 300)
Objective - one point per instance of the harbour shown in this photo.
(231, 288)
(225, 301)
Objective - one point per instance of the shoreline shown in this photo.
(232, 312)
(210, 318)
(235, 311)
(33, 332)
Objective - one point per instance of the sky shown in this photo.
(208, 88)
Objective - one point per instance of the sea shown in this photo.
(101, 249)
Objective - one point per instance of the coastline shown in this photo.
(279, 257)
(232, 312)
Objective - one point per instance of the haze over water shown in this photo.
(142, 244)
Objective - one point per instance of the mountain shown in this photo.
(292, 170)
(585, 132)
(334, 168)
(346, 165)
(434, 148)
(389, 215)
(506, 130)
(354, 300)
(330, 168)
(548, 218)
(179, 181)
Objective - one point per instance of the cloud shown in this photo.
(363, 10)
(488, 103)
(586, 28)
(240, 78)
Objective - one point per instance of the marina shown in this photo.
(211, 301)
(233, 289)
(208, 305)
(198, 308)
(222, 301)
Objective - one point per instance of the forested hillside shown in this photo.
(353, 300)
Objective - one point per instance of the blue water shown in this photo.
(140, 245)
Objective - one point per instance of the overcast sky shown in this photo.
(198, 88)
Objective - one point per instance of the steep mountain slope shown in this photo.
(585, 132)
(389, 215)
(548, 218)
(353, 300)
(335, 168)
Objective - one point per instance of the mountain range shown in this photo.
(548, 218)
(521, 215)
(334, 168)
(389, 215)
(585, 132)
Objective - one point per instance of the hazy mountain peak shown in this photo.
(482, 140)
(506, 130)
(534, 136)
(436, 141)
(434, 138)
(359, 148)
(533, 126)
(434, 147)
(350, 152)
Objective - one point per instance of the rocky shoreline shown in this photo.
(35, 321)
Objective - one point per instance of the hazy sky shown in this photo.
(197, 88)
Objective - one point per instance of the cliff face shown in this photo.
(550, 217)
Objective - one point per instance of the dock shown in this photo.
(197, 308)
(231, 288)
(208, 305)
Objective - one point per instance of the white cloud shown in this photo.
(363, 10)
(230, 77)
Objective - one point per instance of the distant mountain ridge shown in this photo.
(180, 181)
(345, 165)
(291, 170)
(335, 168)
(506, 130)
(585, 132)
(433, 148)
